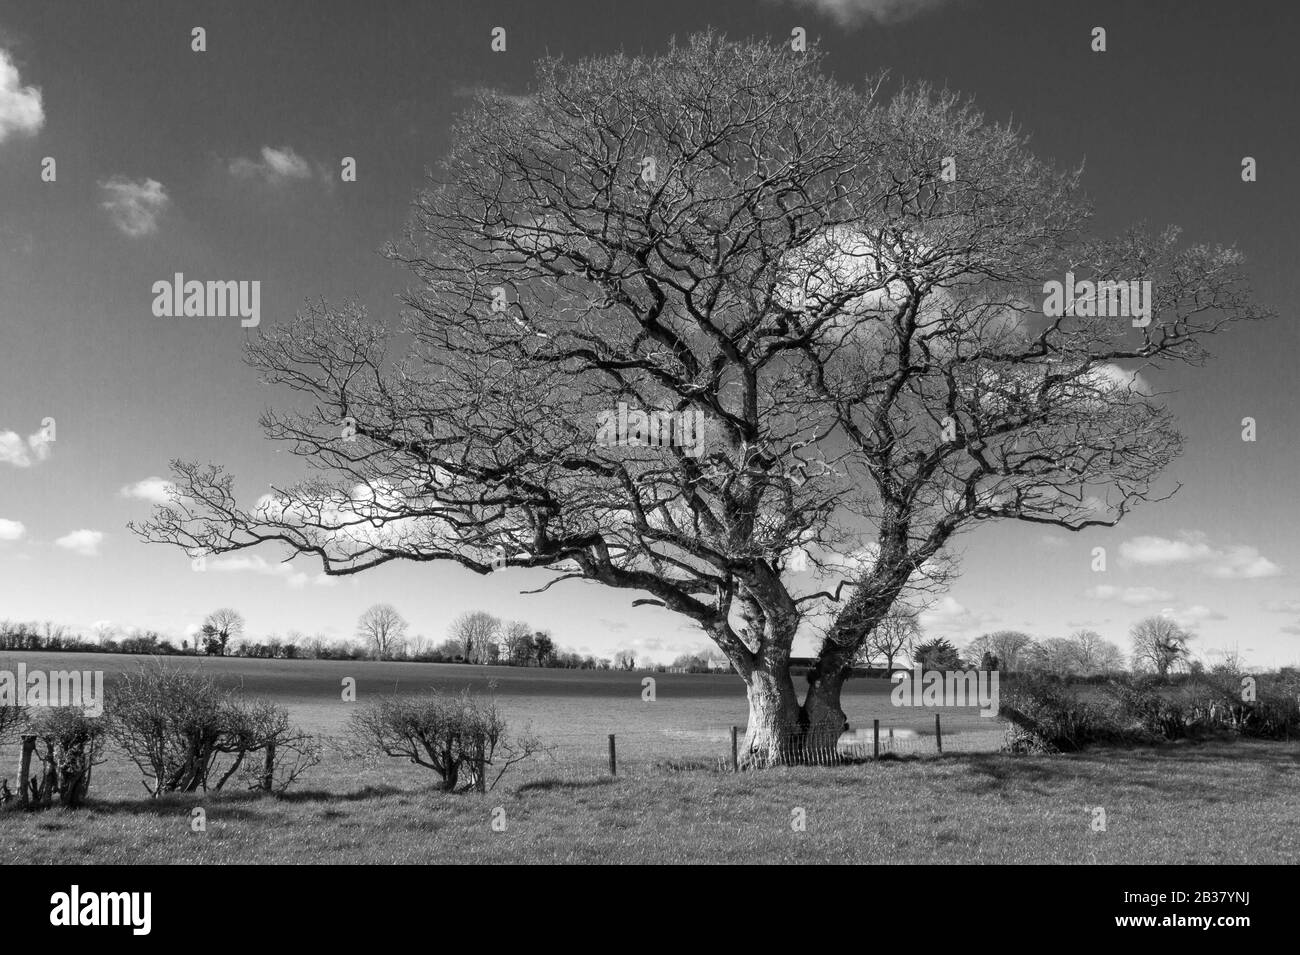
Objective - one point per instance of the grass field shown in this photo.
(1208, 803)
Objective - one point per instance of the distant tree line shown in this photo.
(1159, 646)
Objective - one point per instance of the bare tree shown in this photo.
(476, 632)
(1159, 644)
(895, 635)
(625, 660)
(843, 338)
(1054, 655)
(381, 628)
(517, 643)
(1095, 654)
(224, 625)
(104, 632)
(1008, 646)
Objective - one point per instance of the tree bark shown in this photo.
(774, 734)
(824, 715)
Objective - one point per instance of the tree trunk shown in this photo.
(774, 734)
(825, 717)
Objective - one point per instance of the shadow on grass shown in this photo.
(1165, 769)
(563, 785)
(999, 773)
(239, 805)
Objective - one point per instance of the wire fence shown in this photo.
(723, 748)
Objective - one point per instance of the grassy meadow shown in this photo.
(1212, 802)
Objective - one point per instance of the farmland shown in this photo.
(671, 801)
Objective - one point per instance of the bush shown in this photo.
(455, 736)
(175, 726)
(1045, 716)
(1216, 700)
(255, 726)
(168, 721)
(69, 744)
(1138, 712)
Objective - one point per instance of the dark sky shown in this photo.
(138, 123)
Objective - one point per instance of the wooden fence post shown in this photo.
(875, 739)
(24, 775)
(268, 768)
(938, 734)
(613, 763)
(735, 753)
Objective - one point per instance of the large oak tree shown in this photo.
(847, 286)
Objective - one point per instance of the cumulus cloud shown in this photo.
(83, 542)
(1282, 606)
(1189, 617)
(11, 530)
(20, 106)
(1234, 562)
(23, 454)
(277, 165)
(853, 13)
(134, 205)
(1242, 562)
(155, 490)
(947, 617)
(255, 563)
(1133, 596)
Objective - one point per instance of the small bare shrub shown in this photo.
(462, 738)
(176, 726)
(69, 744)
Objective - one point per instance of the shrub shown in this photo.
(11, 718)
(69, 744)
(176, 725)
(1045, 716)
(250, 727)
(455, 736)
(168, 722)
(1138, 711)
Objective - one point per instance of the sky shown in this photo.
(226, 164)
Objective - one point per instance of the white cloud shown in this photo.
(1158, 551)
(947, 618)
(134, 206)
(257, 564)
(1133, 596)
(276, 166)
(83, 542)
(1189, 617)
(852, 13)
(13, 450)
(1240, 562)
(1234, 562)
(20, 106)
(155, 490)
(11, 530)
(1112, 376)
(1282, 606)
